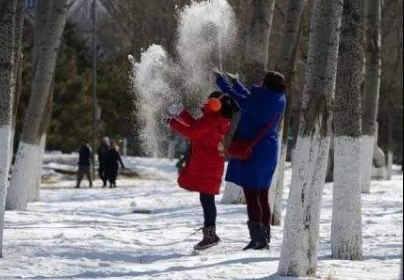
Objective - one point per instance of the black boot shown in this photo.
(210, 239)
(267, 230)
(258, 237)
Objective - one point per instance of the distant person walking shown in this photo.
(84, 165)
(112, 161)
(102, 152)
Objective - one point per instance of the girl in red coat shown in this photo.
(204, 169)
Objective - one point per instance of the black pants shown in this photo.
(84, 171)
(101, 173)
(209, 209)
(258, 207)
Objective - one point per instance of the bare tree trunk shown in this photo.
(18, 63)
(372, 89)
(346, 235)
(257, 43)
(7, 88)
(302, 222)
(256, 63)
(287, 66)
(24, 172)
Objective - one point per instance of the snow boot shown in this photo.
(210, 239)
(258, 237)
(267, 230)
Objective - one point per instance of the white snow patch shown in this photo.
(92, 234)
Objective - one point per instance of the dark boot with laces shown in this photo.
(210, 239)
(258, 237)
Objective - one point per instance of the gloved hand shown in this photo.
(212, 67)
(232, 77)
(175, 110)
(166, 119)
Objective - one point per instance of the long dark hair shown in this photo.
(229, 105)
(275, 81)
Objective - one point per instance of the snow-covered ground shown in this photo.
(93, 234)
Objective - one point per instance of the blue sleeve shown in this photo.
(241, 89)
(239, 95)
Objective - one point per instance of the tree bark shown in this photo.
(24, 172)
(7, 88)
(346, 235)
(256, 65)
(18, 62)
(287, 65)
(302, 222)
(372, 89)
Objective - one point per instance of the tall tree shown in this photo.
(286, 64)
(24, 172)
(18, 66)
(256, 64)
(372, 88)
(8, 48)
(301, 232)
(346, 236)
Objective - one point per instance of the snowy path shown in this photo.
(92, 234)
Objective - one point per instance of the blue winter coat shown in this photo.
(259, 107)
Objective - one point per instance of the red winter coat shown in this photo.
(204, 170)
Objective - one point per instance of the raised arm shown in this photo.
(191, 132)
(186, 118)
(237, 91)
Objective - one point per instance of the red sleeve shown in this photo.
(191, 132)
(186, 118)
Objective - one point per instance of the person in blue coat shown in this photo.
(261, 107)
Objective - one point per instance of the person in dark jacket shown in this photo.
(261, 106)
(204, 168)
(84, 165)
(112, 161)
(102, 151)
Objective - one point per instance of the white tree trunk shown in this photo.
(372, 89)
(302, 222)
(23, 178)
(287, 65)
(35, 191)
(346, 235)
(390, 163)
(301, 230)
(276, 191)
(368, 143)
(7, 88)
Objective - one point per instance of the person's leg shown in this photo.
(101, 174)
(89, 177)
(210, 238)
(266, 209)
(255, 215)
(253, 205)
(209, 209)
(80, 176)
(266, 213)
